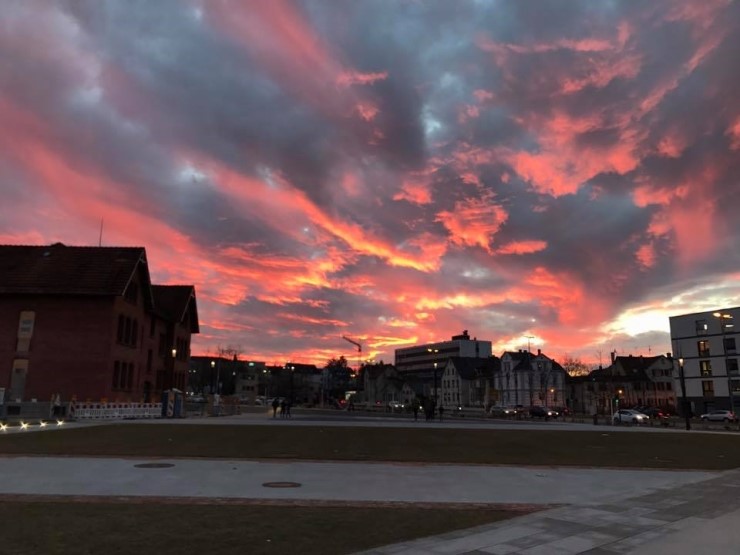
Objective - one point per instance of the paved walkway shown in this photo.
(698, 518)
(329, 481)
(604, 512)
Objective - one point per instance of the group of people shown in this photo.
(283, 405)
(428, 408)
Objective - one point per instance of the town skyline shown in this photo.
(554, 175)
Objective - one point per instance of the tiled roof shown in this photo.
(59, 269)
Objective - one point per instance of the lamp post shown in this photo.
(290, 368)
(725, 321)
(684, 403)
(434, 351)
(217, 366)
(171, 381)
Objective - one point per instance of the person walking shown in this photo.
(275, 405)
(441, 412)
(288, 404)
(415, 408)
(282, 408)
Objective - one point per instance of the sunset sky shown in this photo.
(394, 171)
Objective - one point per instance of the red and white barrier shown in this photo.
(113, 411)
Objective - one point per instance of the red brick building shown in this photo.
(87, 322)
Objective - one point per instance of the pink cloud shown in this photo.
(348, 78)
(473, 222)
(522, 247)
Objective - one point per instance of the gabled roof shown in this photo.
(470, 368)
(61, 270)
(175, 302)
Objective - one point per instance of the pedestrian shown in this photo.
(282, 408)
(288, 404)
(415, 408)
(275, 405)
(57, 406)
(441, 412)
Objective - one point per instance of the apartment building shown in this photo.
(705, 345)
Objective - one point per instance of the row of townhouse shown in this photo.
(517, 377)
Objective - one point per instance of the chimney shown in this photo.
(614, 356)
(539, 352)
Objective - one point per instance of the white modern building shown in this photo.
(432, 355)
(706, 347)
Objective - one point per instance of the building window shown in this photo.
(152, 326)
(116, 374)
(119, 332)
(729, 344)
(669, 386)
(149, 362)
(706, 367)
(703, 348)
(731, 365)
(134, 332)
(130, 381)
(701, 327)
(707, 388)
(162, 344)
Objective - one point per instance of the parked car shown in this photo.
(655, 412)
(395, 405)
(542, 412)
(562, 411)
(503, 411)
(630, 416)
(719, 416)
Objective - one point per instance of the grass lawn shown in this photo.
(30, 528)
(516, 447)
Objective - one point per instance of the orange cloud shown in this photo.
(522, 247)
(473, 222)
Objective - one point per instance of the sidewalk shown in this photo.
(702, 517)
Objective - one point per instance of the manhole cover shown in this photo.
(281, 485)
(154, 465)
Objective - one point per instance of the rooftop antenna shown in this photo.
(100, 237)
(529, 337)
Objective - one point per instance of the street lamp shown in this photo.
(434, 352)
(725, 321)
(172, 375)
(684, 403)
(217, 366)
(291, 368)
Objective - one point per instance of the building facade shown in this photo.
(527, 379)
(706, 347)
(86, 322)
(421, 357)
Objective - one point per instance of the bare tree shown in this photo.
(575, 366)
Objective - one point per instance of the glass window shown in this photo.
(703, 348)
(706, 367)
(116, 374)
(729, 343)
(732, 365)
(707, 388)
(701, 327)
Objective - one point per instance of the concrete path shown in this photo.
(330, 481)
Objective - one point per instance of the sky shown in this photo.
(562, 174)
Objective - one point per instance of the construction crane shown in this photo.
(359, 349)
